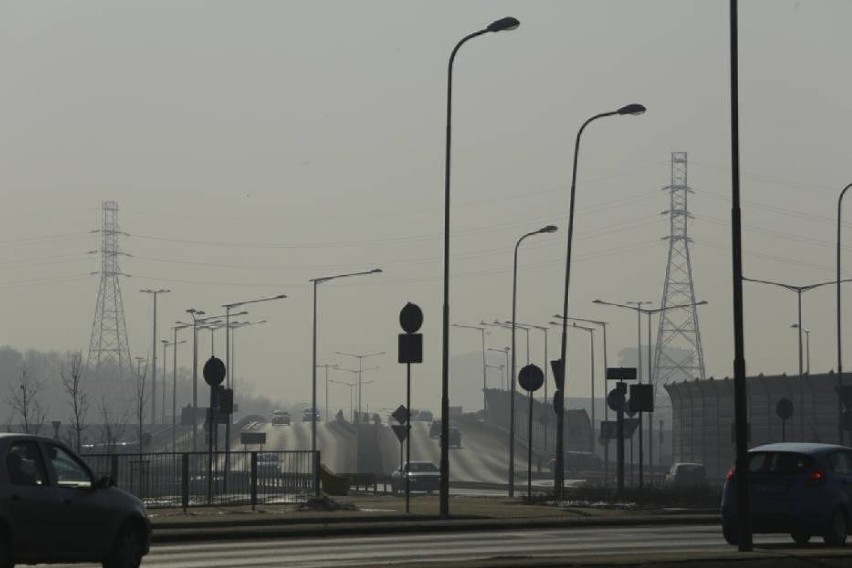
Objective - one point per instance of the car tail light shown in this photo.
(730, 475)
(816, 476)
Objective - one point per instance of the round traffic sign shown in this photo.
(784, 409)
(615, 399)
(531, 378)
(411, 317)
(214, 371)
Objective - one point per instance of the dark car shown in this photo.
(684, 474)
(423, 476)
(280, 417)
(455, 437)
(796, 488)
(52, 509)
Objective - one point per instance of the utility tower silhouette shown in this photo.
(679, 355)
(109, 332)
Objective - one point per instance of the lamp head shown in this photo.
(549, 229)
(634, 108)
(375, 271)
(597, 301)
(280, 296)
(504, 24)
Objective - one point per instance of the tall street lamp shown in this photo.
(360, 357)
(559, 477)
(327, 366)
(502, 24)
(154, 294)
(839, 330)
(504, 351)
(591, 331)
(799, 290)
(603, 325)
(316, 282)
(166, 344)
(481, 330)
(194, 314)
(174, 344)
(807, 348)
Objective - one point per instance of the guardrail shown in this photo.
(191, 479)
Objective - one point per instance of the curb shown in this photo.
(326, 527)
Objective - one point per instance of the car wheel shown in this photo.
(800, 537)
(729, 531)
(127, 550)
(835, 535)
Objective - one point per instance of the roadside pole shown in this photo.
(410, 351)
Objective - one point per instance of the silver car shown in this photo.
(53, 509)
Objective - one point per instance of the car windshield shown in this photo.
(421, 466)
(779, 463)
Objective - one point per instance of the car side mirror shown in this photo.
(105, 482)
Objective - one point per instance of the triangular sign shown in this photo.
(400, 431)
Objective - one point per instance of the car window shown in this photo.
(24, 464)
(779, 463)
(69, 471)
(841, 462)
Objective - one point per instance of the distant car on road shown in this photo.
(455, 437)
(309, 413)
(423, 476)
(424, 416)
(280, 417)
(435, 429)
(684, 474)
(796, 488)
(53, 509)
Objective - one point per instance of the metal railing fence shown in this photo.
(168, 479)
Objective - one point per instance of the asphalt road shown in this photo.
(634, 544)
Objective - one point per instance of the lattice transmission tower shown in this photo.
(679, 355)
(109, 332)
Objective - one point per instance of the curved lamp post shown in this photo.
(514, 363)
(316, 282)
(559, 476)
(839, 341)
(503, 24)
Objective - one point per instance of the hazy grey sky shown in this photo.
(254, 145)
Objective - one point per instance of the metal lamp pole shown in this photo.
(807, 347)
(316, 282)
(502, 24)
(327, 366)
(504, 351)
(559, 477)
(360, 357)
(603, 325)
(154, 294)
(839, 329)
(481, 329)
(174, 344)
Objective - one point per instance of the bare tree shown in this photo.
(113, 425)
(24, 399)
(71, 375)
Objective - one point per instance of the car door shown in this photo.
(84, 511)
(31, 504)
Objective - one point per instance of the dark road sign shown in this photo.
(400, 431)
(615, 399)
(784, 409)
(411, 317)
(642, 398)
(214, 371)
(558, 374)
(401, 414)
(530, 378)
(621, 374)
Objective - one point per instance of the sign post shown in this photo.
(530, 378)
(214, 373)
(616, 400)
(784, 410)
(410, 351)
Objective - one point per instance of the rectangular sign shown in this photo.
(252, 438)
(621, 374)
